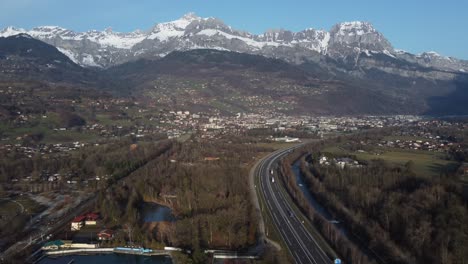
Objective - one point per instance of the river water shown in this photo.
(296, 167)
(107, 258)
(302, 185)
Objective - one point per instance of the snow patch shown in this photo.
(433, 53)
(386, 52)
(123, 41)
(69, 54)
(165, 35)
(324, 42)
(178, 25)
(400, 51)
(248, 41)
(355, 28)
(366, 51)
(11, 31)
(165, 31)
(88, 60)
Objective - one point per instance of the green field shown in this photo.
(16, 205)
(275, 145)
(105, 119)
(426, 163)
(50, 136)
(9, 207)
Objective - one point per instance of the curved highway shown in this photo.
(301, 244)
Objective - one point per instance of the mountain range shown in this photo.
(317, 71)
(346, 41)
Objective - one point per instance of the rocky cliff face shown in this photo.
(345, 42)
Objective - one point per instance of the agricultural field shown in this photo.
(15, 213)
(275, 145)
(18, 205)
(426, 163)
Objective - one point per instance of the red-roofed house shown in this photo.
(105, 234)
(77, 222)
(91, 219)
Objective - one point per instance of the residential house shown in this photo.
(342, 162)
(91, 219)
(77, 223)
(105, 235)
(324, 161)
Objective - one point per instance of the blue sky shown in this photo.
(412, 25)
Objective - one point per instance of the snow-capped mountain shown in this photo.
(356, 37)
(346, 42)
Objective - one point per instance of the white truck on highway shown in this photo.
(272, 179)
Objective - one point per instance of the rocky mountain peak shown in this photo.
(279, 35)
(190, 16)
(10, 31)
(178, 24)
(355, 27)
(356, 37)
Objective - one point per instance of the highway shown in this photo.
(301, 244)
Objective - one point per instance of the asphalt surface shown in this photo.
(301, 244)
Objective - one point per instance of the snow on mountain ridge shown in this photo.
(69, 54)
(187, 26)
(248, 41)
(355, 27)
(10, 31)
(108, 48)
(166, 30)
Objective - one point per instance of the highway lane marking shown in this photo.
(302, 228)
(305, 231)
(262, 172)
(298, 258)
(296, 236)
(288, 205)
(323, 255)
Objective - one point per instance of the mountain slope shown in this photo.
(230, 82)
(341, 80)
(25, 58)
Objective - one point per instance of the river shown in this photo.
(107, 258)
(296, 167)
(302, 185)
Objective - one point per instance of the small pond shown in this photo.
(153, 212)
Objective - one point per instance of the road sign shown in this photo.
(337, 261)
